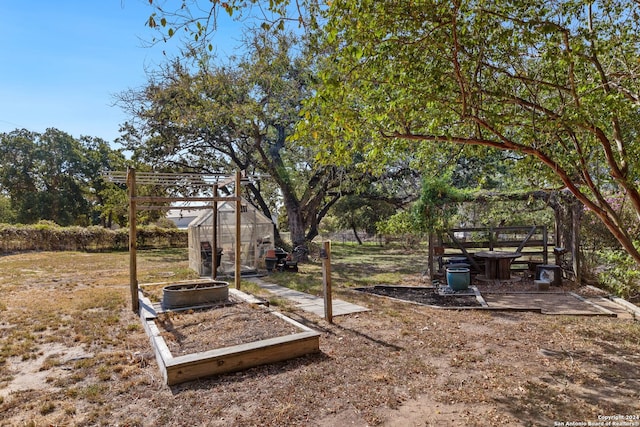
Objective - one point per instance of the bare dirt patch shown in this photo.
(424, 295)
(39, 373)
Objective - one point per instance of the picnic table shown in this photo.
(498, 264)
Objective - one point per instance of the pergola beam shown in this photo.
(162, 199)
(132, 180)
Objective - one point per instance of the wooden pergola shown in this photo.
(567, 220)
(194, 181)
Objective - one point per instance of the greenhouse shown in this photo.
(256, 237)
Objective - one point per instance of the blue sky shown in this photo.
(63, 61)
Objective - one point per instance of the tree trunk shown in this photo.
(296, 221)
(568, 216)
(576, 220)
(305, 212)
(355, 234)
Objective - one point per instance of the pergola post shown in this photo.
(214, 237)
(159, 202)
(133, 267)
(238, 227)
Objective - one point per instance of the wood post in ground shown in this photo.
(133, 273)
(238, 227)
(325, 254)
(214, 237)
(430, 258)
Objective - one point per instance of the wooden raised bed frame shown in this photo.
(176, 370)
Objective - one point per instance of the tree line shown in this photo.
(328, 111)
(54, 176)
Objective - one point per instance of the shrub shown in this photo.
(48, 236)
(401, 225)
(621, 275)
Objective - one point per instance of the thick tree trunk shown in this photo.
(296, 222)
(568, 217)
(576, 217)
(304, 212)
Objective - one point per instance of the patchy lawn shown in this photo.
(73, 353)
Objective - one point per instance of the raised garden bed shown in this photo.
(219, 327)
(224, 338)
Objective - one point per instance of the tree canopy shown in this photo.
(216, 118)
(53, 176)
(556, 83)
(552, 83)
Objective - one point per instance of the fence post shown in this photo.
(325, 254)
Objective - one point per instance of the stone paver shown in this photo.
(310, 303)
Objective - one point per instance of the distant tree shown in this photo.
(358, 213)
(108, 201)
(63, 193)
(19, 174)
(53, 176)
(7, 214)
(402, 225)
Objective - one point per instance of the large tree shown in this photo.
(217, 118)
(18, 174)
(556, 82)
(43, 175)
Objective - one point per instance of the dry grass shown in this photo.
(65, 321)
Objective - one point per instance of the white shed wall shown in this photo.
(256, 237)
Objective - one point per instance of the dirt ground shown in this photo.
(193, 331)
(68, 362)
(424, 296)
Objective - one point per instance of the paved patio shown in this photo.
(556, 303)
